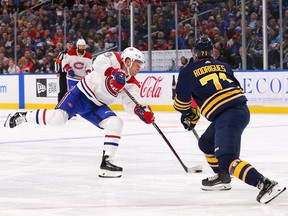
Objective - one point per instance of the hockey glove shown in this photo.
(119, 79)
(190, 119)
(70, 72)
(145, 113)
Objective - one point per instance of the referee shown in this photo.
(59, 71)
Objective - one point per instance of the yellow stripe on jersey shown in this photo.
(223, 102)
(181, 105)
(218, 99)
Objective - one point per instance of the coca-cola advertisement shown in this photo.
(156, 87)
(151, 87)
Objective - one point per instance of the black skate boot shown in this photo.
(217, 183)
(268, 190)
(16, 119)
(108, 169)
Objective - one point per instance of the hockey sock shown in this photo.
(244, 171)
(213, 162)
(111, 143)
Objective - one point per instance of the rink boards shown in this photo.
(267, 91)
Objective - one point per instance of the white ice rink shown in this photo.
(54, 171)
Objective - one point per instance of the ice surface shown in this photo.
(47, 171)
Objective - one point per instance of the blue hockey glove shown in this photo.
(119, 79)
(190, 119)
(70, 72)
(145, 113)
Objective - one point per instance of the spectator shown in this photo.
(218, 55)
(173, 36)
(9, 52)
(12, 69)
(160, 45)
(3, 69)
(274, 56)
(249, 60)
(141, 45)
(183, 61)
(190, 43)
(2, 55)
(26, 68)
(285, 49)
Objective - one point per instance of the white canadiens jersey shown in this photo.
(96, 87)
(81, 65)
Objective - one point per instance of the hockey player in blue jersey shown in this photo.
(221, 101)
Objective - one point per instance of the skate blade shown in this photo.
(272, 196)
(222, 187)
(7, 122)
(109, 174)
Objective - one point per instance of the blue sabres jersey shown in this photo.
(211, 84)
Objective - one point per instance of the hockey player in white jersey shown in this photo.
(90, 99)
(77, 63)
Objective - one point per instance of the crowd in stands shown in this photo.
(40, 29)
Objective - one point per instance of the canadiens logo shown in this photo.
(79, 65)
(70, 105)
(109, 87)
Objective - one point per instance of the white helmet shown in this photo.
(81, 42)
(133, 54)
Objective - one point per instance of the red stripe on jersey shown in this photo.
(112, 136)
(133, 80)
(87, 55)
(44, 116)
(91, 92)
(119, 59)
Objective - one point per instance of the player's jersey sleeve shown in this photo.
(211, 84)
(88, 62)
(133, 86)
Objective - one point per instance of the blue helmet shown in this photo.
(203, 47)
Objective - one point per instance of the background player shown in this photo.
(60, 72)
(219, 95)
(90, 99)
(77, 63)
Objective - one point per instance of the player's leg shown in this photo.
(220, 181)
(229, 128)
(68, 107)
(104, 118)
(71, 83)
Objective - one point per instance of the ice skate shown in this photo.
(218, 182)
(269, 190)
(16, 119)
(108, 169)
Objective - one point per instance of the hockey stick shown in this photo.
(195, 134)
(187, 170)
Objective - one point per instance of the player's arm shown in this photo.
(88, 65)
(182, 103)
(144, 112)
(66, 65)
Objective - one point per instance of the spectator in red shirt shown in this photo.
(141, 45)
(160, 45)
